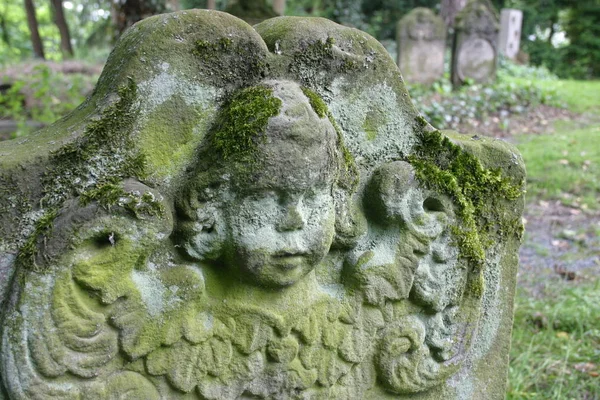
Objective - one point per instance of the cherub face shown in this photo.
(282, 225)
(277, 238)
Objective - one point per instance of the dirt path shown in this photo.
(560, 243)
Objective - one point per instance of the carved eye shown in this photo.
(431, 204)
(105, 239)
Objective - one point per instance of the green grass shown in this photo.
(556, 335)
(578, 96)
(556, 343)
(564, 165)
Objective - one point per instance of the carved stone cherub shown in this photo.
(206, 226)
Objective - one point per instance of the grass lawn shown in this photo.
(556, 336)
(564, 165)
(556, 343)
(578, 96)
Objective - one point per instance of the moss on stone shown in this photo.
(112, 194)
(237, 61)
(480, 194)
(170, 135)
(28, 251)
(308, 63)
(208, 50)
(317, 104)
(103, 153)
(373, 120)
(350, 175)
(241, 123)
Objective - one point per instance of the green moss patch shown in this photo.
(242, 122)
(171, 133)
(480, 195)
(317, 104)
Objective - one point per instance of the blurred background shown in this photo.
(545, 98)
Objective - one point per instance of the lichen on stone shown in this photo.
(111, 194)
(103, 153)
(350, 175)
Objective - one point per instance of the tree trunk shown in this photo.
(127, 12)
(4, 28)
(449, 9)
(63, 28)
(36, 41)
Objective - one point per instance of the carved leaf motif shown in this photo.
(215, 355)
(283, 350)
(123, 385)
(251, 334)
(330, 368)
(80, 334)
(354, 345)
(197, 328)
(185, 367)
(159, 361)
(334, 334)
(308, 327)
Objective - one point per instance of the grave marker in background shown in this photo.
(421, 38)
(511, 21)
(475, 47)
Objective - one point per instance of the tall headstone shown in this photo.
(475, 47)
(243, 212)
(421, 38)
(511, 21)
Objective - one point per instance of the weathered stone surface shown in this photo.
(421, 38)
(475, 47)
(511, 21)
(245, 212)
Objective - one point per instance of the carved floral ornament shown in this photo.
(289, 256)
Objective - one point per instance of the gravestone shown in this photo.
(241, 212)
(475, 47)
(421, 38)
(511, 21)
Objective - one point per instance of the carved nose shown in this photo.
(291, 220)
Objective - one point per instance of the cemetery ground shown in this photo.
(554, 123)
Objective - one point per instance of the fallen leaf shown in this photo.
(585, 367)
(562, 335)
(563, 161)
(561, 244)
